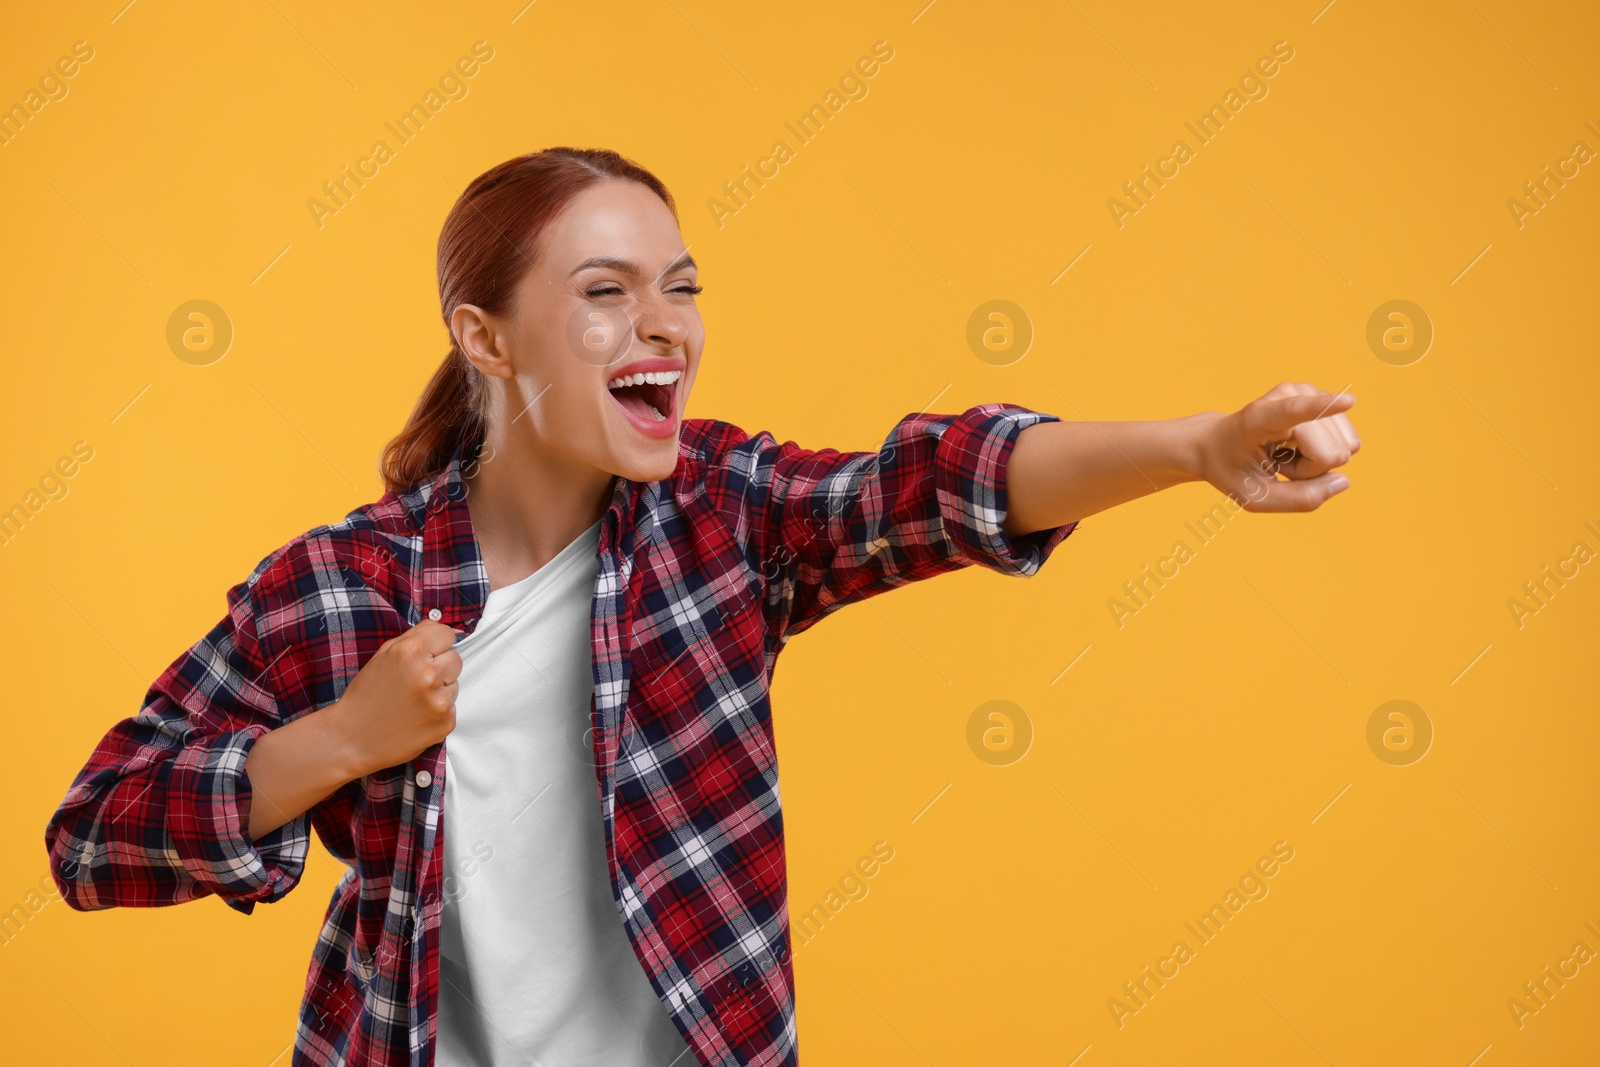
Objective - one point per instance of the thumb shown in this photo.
(1305, 495)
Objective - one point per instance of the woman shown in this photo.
(587, 593)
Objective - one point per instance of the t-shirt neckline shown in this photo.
(505, 604)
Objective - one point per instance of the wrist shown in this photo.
(1192, 443)
(337, 744)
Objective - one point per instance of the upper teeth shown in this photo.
(663, 377)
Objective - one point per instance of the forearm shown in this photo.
(1060, 472)
(294, 767)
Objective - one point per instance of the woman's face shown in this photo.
(609, 301)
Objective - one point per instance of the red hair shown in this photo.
(488, 242)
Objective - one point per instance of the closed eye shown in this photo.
(613, 290)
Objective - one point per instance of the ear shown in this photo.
(480, 339)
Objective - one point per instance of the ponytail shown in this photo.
(450, 413)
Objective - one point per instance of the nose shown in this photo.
(660, 322)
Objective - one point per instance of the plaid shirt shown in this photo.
(703, 578)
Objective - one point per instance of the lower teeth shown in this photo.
(658, 416)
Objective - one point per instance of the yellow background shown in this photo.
(1224, 717)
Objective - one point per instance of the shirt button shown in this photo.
(424, 779)
(435, 614)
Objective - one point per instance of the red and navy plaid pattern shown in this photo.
(703, 578)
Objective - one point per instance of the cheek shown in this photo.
(575, 404)
(556, 392)
(583, 430)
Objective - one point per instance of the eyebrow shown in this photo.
(629, 267)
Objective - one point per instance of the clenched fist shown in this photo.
(402, 700)
(1296, 430)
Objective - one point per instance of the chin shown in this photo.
(649, 465)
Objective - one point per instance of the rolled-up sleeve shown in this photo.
(160, 812)
(208, 817)
(828, 528)
(970, 477)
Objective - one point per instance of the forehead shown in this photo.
(620, 219)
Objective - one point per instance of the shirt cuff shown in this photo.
(208, 820)
(971, 483)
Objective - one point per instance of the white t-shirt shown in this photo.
(534, 964)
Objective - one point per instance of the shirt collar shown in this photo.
(453, 577)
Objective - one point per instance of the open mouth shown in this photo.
(648, 397)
